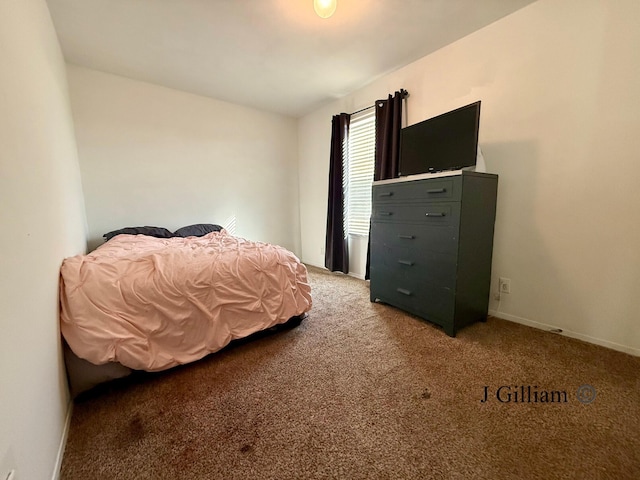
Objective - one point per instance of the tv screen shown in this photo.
(446, 142)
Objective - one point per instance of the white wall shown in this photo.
(42, 218)
(150, 155)
(560, 87)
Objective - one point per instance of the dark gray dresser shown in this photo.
(431, 246)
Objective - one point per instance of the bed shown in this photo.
(141, 302)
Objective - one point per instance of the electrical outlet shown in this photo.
(504, 285)
(11, 475)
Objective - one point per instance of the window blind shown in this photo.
(359, 172)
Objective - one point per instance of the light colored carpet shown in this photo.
(365, 391)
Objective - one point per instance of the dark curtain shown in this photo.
(388, 125)
(336, 255)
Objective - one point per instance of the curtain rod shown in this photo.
(364, 109)
(403, 92)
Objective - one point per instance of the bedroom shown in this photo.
(559, 129)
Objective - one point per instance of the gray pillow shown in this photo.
(157, 232)
(197, 230)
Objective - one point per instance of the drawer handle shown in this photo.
(406, 262)
(386, 194)
(387, 214)
(406, 237)
(439, 214)
(403, 291)
(437, 190)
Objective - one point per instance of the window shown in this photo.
(358, 172)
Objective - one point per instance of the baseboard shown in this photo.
(314, 265)
(351, 274)
(567, 333)
(63, 442)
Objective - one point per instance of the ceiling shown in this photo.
(274, 55)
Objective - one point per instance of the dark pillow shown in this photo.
(197, 230)
(157, 232)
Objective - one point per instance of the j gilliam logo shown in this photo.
(524, 394)
(533, 394)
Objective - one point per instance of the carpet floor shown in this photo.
(365, 391)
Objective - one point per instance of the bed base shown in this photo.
(84, 376)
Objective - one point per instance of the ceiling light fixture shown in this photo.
(325, 8)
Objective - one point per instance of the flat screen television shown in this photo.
(446, 142)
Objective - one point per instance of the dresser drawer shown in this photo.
(430, 238)
(434, 303)
(419, 190)
(432, 213)
(413, 265)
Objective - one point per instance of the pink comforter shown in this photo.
(152, 303)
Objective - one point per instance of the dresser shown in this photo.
(431, 245)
